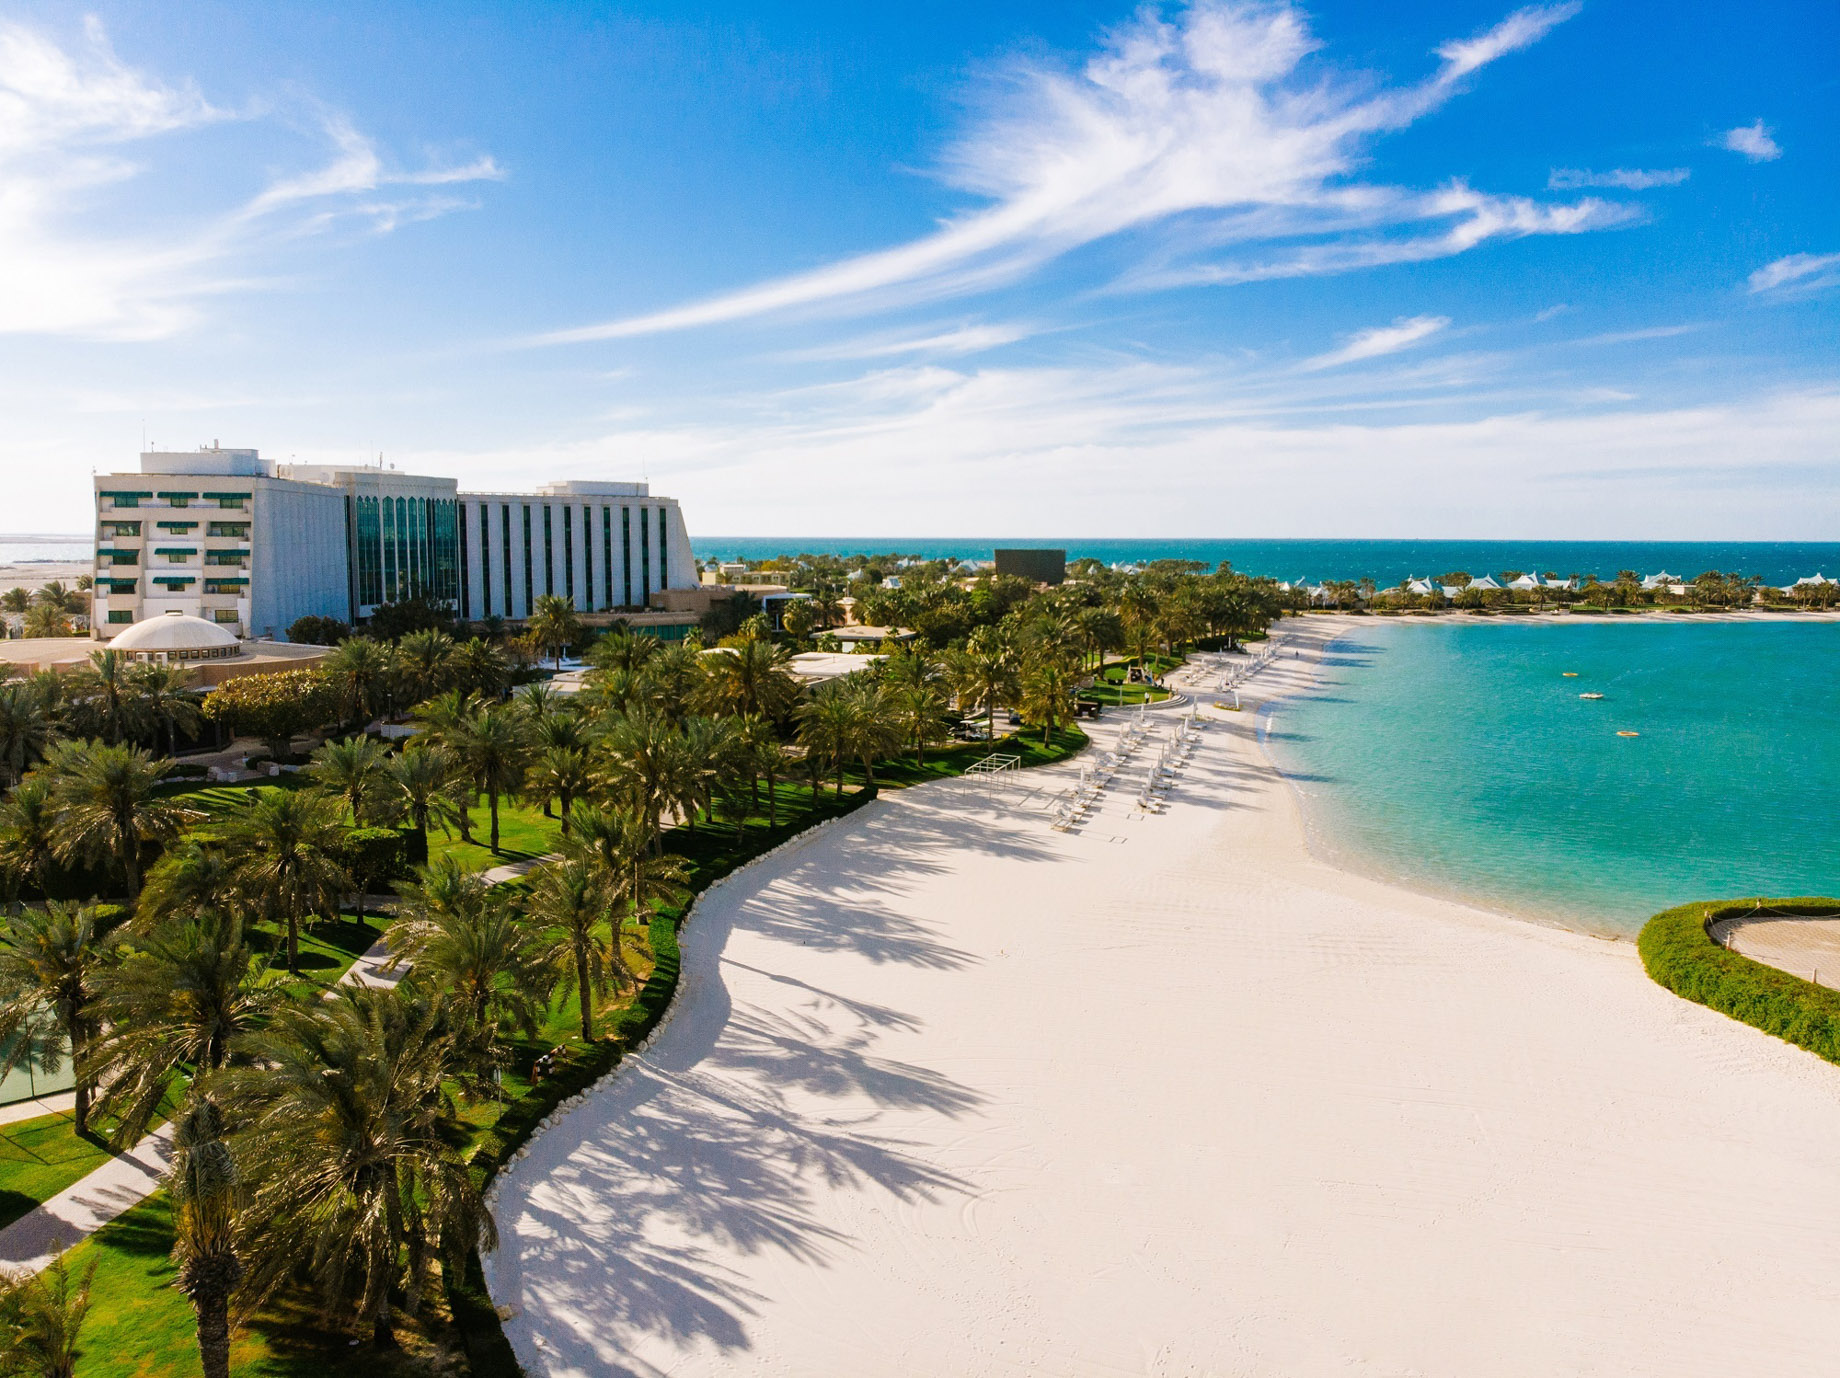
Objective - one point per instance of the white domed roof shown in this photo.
(175, 632)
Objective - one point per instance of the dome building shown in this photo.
(177, 637)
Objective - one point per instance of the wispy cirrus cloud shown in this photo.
(1624, 178)
(1755, 141)
(78, 125)
(1797, 273)
(1404, 333)
(1214, 125)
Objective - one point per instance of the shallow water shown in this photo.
(1454, 756)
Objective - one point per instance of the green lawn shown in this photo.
(523, 834)
(328, 947)
(952, 760)
(39, 1158)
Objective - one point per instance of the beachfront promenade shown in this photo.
(951, 1092)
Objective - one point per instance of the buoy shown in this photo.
(1570, 674)
(1590, 696)
(1629, 734)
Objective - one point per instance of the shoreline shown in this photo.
(1345, 861)
(902, 1122)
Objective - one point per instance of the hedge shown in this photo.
(377, 856)
(1678, 952)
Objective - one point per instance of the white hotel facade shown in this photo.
(226, 535)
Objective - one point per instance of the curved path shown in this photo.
(948, 1092)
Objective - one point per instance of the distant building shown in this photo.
(251, 545)
(1038, 566)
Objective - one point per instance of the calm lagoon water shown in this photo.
(1455, 757)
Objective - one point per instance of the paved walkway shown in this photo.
(78, 1211)
(59, 1103)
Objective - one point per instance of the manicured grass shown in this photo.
(944, 762)
(328, 947)
(140, 1326)
(39, 1158)
(523, 834)
(1678, 953)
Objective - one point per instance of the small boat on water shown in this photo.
(1569, 674)
(1629, 734)
(1590, 696)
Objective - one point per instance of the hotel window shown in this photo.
(225, 585)
(530, 588)
(568, 551)
(626, 557)
(223, 615)
(587, 557)
(123, 528)
(607, 555)
(645, 558)
(230, 530)
(485, 561)
(122, 557)
(233, 502)
(549, 557)
(664, 565)
(120, 615)
(504, 511)
(370, 553)
(466, 572)
(164, 526)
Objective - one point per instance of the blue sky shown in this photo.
(1451, 269)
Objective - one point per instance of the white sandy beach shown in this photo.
(950, 1093)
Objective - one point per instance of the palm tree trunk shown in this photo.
(213, 1332)
(492, 804)
(772, 801)
(587, 991)
(293, 944)
(383, 1333)
(566, 800)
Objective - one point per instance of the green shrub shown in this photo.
(1679, 953)
(378, 856)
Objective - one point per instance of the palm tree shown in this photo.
(1101, 629)
(827, 723)
(423, 777)
(65, 600)
(191, 877)
(51, 967)
(463, 936)
(559, 773)
(180, 1003)
(445, 716)
(16, 601)
(919, 711)
(425, 658)
(538, 702)
(637, 762)
(352, 1143)
(166, 700)
(42, 1318)
(355, 772)
(494, 751)
(621, 650)
(25, 731)
(478, 667)
(750, 680)
(573, 898)
(104, 700)
(358, 671)
(284, 854)
(206, 1192)
(108, 807)
(874, 733)
(554, 623)
(1047, 695)
(983, 675)
(28, 817)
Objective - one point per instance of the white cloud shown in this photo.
(1629, 179)
(1208, 122)
(959, 340)
(78, 125)
(1754, 141)
(1797, 273)
(1403, 333)
(1145, 450)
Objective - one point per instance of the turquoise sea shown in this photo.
(1386, 562)
(1455, 757)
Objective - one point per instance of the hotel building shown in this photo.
(251, 544)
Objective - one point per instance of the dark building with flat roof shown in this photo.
(1038, 566)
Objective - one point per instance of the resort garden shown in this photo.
(513, 859)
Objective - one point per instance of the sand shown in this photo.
(950, 1093)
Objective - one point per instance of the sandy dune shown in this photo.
(950, 1093)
